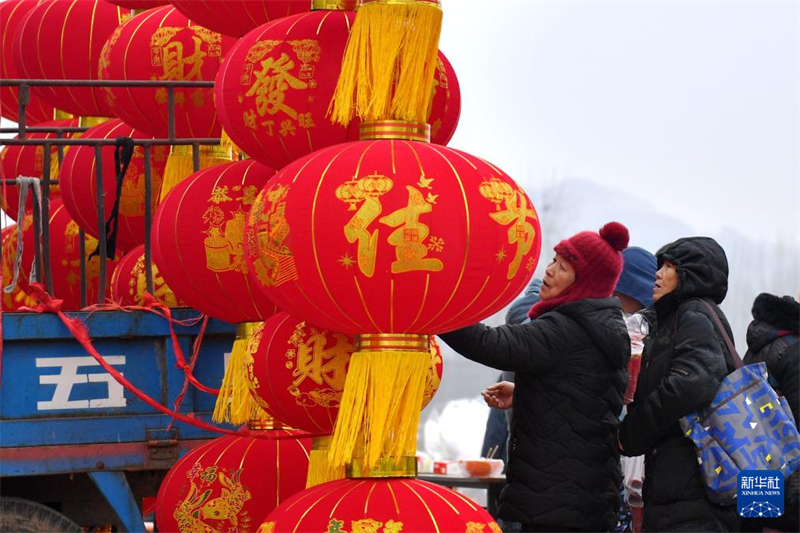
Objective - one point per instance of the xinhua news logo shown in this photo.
(760, 493)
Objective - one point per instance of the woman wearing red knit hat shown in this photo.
(571, 371)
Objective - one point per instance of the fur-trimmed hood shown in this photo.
(780, 312)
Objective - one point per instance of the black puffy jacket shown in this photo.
(683, 363)
(772, 338)
(571, 371)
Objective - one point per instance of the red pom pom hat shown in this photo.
(597, 261)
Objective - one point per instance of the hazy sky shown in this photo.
(692, 105)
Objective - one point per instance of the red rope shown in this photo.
(157, 308)
(192, 361)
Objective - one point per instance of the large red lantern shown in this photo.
(28, 161)
(140, 4)
(65, 260)
(78, 183)
(12, 12)
(16, 298)
(162, 44)
(392, 241)
(298, 372)
(394, 237)
(232, 483)
(129, 283)
(62, 41)
(198, 235)
(237, 17)
(273, 91)
(379, 505)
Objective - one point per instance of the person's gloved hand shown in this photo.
(500, 395)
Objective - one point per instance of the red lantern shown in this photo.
(140, 4)
(12, 12)
(379, 505)
(162, 44)
(28, 161)
(65, 262)
(198, 235)
(62, 41)
(78, 183)
(273, 91)
(237, 17)
(394, 237)
(17, 298)
(232, 483)
(128, 283)
(393, 241)
(299, 371)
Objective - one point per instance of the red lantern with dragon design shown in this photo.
(128, 283)
(78, 183)
(198, 241)
(62, 40)
(237, 17)
(379, 506)
(273, 91)
(65, 260)
(12, 12)
(232, 483)
(16, 298)
(299, 372)
(29, 161)
(162, 44)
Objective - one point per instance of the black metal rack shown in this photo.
(42, 254)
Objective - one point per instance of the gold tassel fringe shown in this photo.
(235, 403)
(320, 469)
(390, 62)
(380, 406)
(180, 164)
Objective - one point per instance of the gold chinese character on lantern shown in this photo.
(515, 215)
(323, 364)
(271, 84)
(367, 192)
(408, 239)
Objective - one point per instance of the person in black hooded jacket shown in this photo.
(683, 363)
(571, 371)
(772, 338)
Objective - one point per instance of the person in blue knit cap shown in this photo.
(635, 285)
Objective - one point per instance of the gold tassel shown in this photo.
(226, 142)
(180, 164)
(320, 469)
(382, 399)
(390, 62)
(235, 403)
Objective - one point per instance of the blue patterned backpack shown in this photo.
(746, 427)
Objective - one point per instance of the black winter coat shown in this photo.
(772, 338)
(571, 371)
(683, 363)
